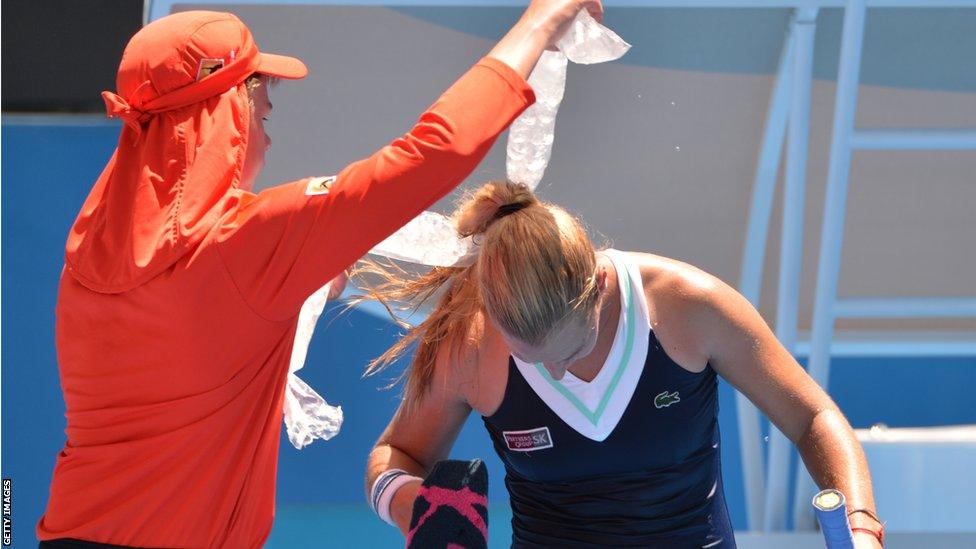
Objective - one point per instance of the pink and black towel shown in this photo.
(451, 510)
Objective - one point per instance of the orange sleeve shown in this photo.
(284, 243)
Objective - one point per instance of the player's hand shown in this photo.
(553, 17)
(338, 285)
(542, 24)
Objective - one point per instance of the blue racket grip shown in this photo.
(831, 509)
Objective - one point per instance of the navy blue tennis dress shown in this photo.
(629, 459)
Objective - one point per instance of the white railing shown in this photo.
(844, 139)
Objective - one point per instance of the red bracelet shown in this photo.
(879, 534)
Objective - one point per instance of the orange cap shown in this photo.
(186, 58)
(181, 152)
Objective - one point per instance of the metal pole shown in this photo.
(750, 278)
(927, 139)
(906, 307)
(832, 234)
(791, 250)
(767, 168)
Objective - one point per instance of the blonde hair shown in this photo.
(256, 80)
(535, 268)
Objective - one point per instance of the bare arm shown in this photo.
(417, 437)
(735, 340)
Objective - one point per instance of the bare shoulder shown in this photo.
(470, 369)
(670, 277)
(679, 297)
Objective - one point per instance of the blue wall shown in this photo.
(46, 173)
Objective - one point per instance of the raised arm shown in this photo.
(732, 336)
(283, 244)
(543, 22)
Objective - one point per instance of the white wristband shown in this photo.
(384, 488)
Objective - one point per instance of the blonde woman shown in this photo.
(595, 372)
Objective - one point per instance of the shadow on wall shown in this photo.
(904, 47)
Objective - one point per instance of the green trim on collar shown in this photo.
(594, 415)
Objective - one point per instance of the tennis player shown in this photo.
(596, 375)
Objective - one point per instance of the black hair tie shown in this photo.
(509, 209)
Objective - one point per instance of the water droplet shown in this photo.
(766, 438)
(677, 148)
(638, 96)
(673, 104)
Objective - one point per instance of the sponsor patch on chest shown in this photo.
(528, 441)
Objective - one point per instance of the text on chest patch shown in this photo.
(528, 441)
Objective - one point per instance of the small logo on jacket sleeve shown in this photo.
(666, 399)
(528, 441)
(320, 185)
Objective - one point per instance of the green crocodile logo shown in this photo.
(666, 399)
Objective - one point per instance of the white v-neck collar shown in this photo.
(594, 408)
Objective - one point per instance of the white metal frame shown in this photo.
(789, 110)
(844, 140)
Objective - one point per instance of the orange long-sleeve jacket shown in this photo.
(173, 358)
